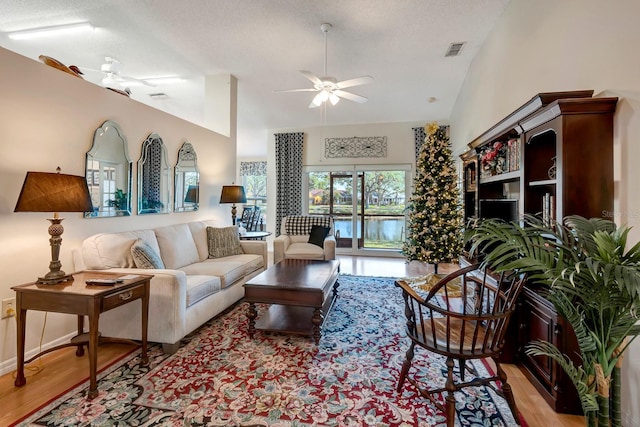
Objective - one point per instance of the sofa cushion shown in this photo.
(302, 224)
(223, 242)
(144, 256)
(318, 234)
(227, 272)
(200, 286)
(304, 251)
(251, 262)
(113, 250)
(199, 233)
(177, 247)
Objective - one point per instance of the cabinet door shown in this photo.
(540, 324)
(540, 321)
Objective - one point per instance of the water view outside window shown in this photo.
(377, 214)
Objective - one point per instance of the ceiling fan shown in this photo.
(329, 88)
(111, 70)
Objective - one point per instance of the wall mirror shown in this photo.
(108, 172)
(186, 192)
(154, 176)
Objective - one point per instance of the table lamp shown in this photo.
(54, 192)
(192, 195)
(233, 194)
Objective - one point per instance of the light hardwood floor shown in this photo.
(62, 370)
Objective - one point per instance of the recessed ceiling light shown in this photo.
(50, 31)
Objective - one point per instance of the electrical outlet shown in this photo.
(8, 307)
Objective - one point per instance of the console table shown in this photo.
(78, 297)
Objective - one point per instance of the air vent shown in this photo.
(454, 49)
(159, 95)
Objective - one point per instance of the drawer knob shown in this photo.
(125, 295)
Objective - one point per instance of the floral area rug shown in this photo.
(221, 377)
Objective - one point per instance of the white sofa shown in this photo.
(293, 241)
(191, 289)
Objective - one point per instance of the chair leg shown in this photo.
(451, 400)
(506, 390)
(405, 366)
(463, 368)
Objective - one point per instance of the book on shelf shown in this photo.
(548, 209)
(513, 154)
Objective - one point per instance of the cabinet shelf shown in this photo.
(542, 182)
(507, 176)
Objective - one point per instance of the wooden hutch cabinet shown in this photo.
(559, 162)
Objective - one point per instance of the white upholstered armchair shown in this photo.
(305, 237)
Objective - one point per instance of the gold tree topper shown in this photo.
(431, 128)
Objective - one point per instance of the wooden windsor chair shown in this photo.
(464, 316)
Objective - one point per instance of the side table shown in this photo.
(255, 235)
(78, 297)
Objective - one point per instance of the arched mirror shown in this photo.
(186, 190)
(108, 172)
(154, 177)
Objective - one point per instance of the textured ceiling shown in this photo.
(264, 44)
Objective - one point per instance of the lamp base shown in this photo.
(54, 279)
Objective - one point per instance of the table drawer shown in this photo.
(122, 297)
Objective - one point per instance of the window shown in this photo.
(254, 181)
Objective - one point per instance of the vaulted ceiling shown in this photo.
(264, 44)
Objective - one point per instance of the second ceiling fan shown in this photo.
(329, 88)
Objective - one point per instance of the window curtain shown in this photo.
(253, 168)
(288, 175)
(419, 136)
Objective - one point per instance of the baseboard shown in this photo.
(9, 365)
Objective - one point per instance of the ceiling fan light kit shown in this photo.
(329, 88)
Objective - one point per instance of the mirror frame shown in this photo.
(162, 174)
(186, 191)
(113, 169)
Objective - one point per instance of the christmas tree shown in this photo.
(435, 214)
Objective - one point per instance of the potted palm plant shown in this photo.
(591, 279)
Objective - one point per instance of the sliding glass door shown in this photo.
(366, 204)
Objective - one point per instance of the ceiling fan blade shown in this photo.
(312, 77)
(125, 79)
(297, 90)
(354, 82)
(350, 96)
(90, 69)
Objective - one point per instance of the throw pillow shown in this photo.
(318, 234)
(223, 242)
(144, 256)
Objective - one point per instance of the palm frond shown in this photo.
(581, 379)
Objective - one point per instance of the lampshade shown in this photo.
(54, 192)
(192, 194)
(233, 194)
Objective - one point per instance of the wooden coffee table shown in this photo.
(301, 293)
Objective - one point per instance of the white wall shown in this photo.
(549, 45)
(47, 119)
(400, 150)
